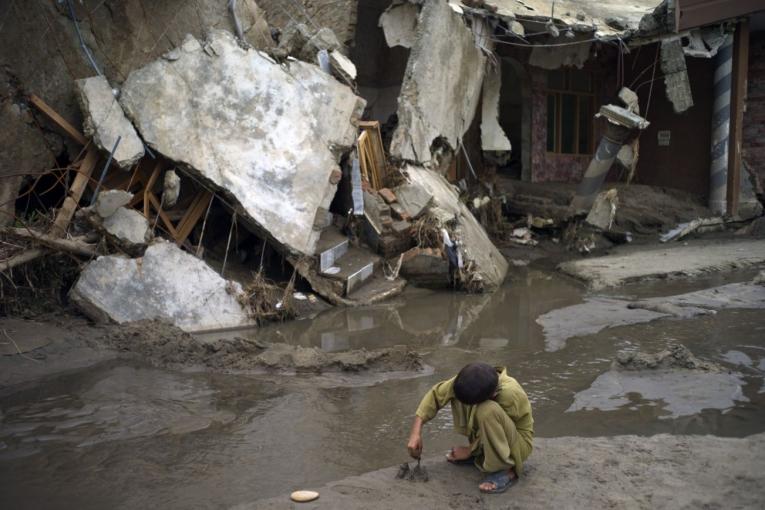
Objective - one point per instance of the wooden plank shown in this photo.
(57, 119)
(149, 186)
(738, 100)
(152, 198)
(192, 216)
(76, 190)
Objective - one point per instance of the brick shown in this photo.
(387, 195)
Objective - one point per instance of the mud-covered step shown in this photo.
(331, 246)
(353, 268)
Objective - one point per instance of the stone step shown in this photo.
(355, 267)
(332, 246)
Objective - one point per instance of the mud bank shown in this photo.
(637, 263)
(574, 472)
(68, 343)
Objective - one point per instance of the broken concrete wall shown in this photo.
(493, 137)
(555, 57)
(105, 121)
(676, 82)
(23, 148)
(399, 24)
(489, 265)
(166, 283)
(442, 84)
(121, 35)
(268, 135)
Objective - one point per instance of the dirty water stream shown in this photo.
(124, 435)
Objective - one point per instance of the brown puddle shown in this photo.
(121, 435)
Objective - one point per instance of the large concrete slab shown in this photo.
(570, 472)
(487, 262)
(269, 135)
(105, 121)
(442, 84)
(691, 260)
(166, 283)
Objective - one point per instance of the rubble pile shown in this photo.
(253, 151)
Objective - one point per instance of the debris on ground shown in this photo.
(684, 229)
(674, 356)
(165, 283)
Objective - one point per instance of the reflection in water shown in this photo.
(117, 436)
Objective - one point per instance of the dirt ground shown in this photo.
(662, 471)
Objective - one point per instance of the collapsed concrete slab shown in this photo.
(105, 121)
(485, 265)
(128, 228)
(675, 72)
(166, 283)
(270, 136)
(493, 137)
(441, 87)
(399, 24)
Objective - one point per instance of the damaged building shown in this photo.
(344, 148)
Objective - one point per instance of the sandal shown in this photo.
(501, 481)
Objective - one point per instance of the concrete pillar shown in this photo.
(598, 168)
(718, 174)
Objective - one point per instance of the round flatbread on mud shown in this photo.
(304, 496)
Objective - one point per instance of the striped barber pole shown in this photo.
(718, 176)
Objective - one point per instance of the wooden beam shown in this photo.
(738, 100)
(162, 214)
(57, 119)
(80, 182)
(149, 185)
(193, 213)
(76, 246)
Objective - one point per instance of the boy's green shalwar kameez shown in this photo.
(500, 430)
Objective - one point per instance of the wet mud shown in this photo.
(193, 435)
(164, 345)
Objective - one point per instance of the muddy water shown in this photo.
(123, 435)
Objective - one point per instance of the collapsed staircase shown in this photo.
(351, 275)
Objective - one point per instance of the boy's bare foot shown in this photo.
(459, 453)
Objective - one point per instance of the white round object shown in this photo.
(304, 496)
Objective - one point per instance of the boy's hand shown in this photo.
(415, 445)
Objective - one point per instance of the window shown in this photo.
(570, 108)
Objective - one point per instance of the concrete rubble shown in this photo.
(441, 86)
(166, 283)
(485, 265)
(105, 121)
(493, 137)
(129, 228)
(272, 144)
(678, 86)
(399, 24)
